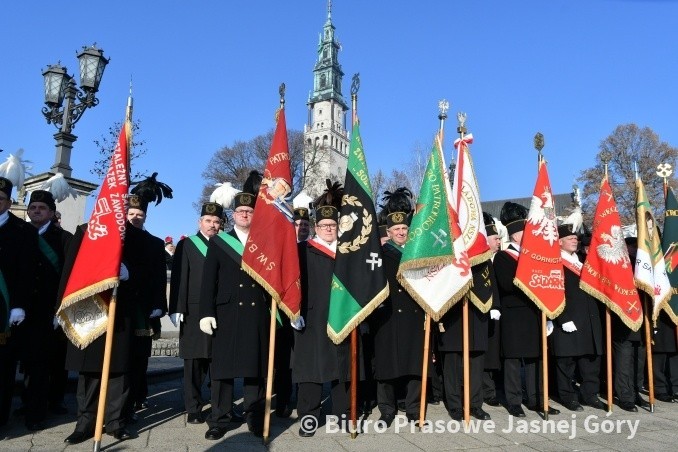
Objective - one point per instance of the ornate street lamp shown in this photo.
(60, 86)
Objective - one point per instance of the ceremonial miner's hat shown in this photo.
(151, 190)
(43, 196)
(6, 186)
(327, 205)
(213, 209)
(490, 227)
(136, 202)
(301, 213)
(169, 240)
(397, 207)
(572, 224)
(250, 190)
(513, 216)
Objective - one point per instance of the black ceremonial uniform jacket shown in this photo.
(665, 335)
(520, 317)
(241, 308)
(18, 261)
(397, 325)
(582, 309)
(90, 359)
(185, 286)
(316, 359)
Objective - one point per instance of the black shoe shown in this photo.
(642, 402)
(35, 426)
(540, 409)
(195, 418)
(480, 414)
(414, 418)
(434, 402)
(516, 410)
(492, 401)
(306, 433)
(283, 412)
(255, 424)
(122, 434)
(664, 398)
(572, 405)
(236, 416)
(77, 437)
(456, 414)
(628, 406)
(132, 418)
(215, 433)
(401, 406)
(58, 408)
(387, 419)
(595, 403)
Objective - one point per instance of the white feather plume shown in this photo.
(224, 194)
(302, 200)
(575, 219)
(503, 232)
(59, 187)
(14, 169)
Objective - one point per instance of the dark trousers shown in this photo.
(87, 396)
(628, 361)
(58, 375)
(489, 384)
(36, 391)
(512, 380)
(436, 378)
(665, 367)
(282, 386)
(7, 377)
(453, 379)
(222, 400)
(589, 370)
(195, 372)
(309, 399)
(386, 395)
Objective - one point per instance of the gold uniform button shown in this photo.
(252, 285)
(400, 310)
(240, 303)
(252, 303)
(400, 290)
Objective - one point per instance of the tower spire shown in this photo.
(329, 9)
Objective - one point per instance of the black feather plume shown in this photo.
(252, 183)
(331, 196)
(151, 190)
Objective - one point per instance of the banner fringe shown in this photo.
(338, 337)
(542, 307)
(634, 326)
(271, 291)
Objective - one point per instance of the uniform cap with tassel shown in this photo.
(490, 226)
(327, 205)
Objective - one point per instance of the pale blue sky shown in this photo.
(206, 74)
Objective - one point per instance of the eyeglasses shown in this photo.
(243, 212)
(327, 227)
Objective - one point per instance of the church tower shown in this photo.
(326, 139)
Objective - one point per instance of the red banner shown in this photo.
(608, 272)
(271, 256)
(96, 269)
(540, 269)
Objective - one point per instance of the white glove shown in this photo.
(549, 327)
(55, 322)
(495, 314)
(176, 318)
(155, 313)
(298, 324)
(16, 316)
(208, 325)
(124, 273)
(569, 327)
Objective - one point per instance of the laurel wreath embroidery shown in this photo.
(347, 247)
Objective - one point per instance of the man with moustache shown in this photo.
(195, 347)
(18, 260)
(46, 383)
(302, 224)
(235, 311)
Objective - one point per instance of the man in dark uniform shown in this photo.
(88, 362)
(520, 321)
(195, 347)
(18, 260)
(491, 375)
(577, 339)
(317, 360)
(235, 310)
(46, 383)
(398, 323)
(665, 359)
(302, 223)
(149, 302)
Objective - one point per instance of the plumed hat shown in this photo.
(397, 206)
(213, 209)
(513, 216)
(301, 213)
(490, 227)
(137, 202)
(250, 190)
(327, 205)
(151, 190)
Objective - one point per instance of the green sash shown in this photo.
(4, 327)
(235, 246)
(49, 253)
(202, 246)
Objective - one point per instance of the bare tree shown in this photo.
(106, 145)
(628, 145)
(234, 163)
(378, 183)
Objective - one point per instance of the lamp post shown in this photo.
(60, 86)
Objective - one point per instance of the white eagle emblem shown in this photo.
(543, 213)
(615, 250)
